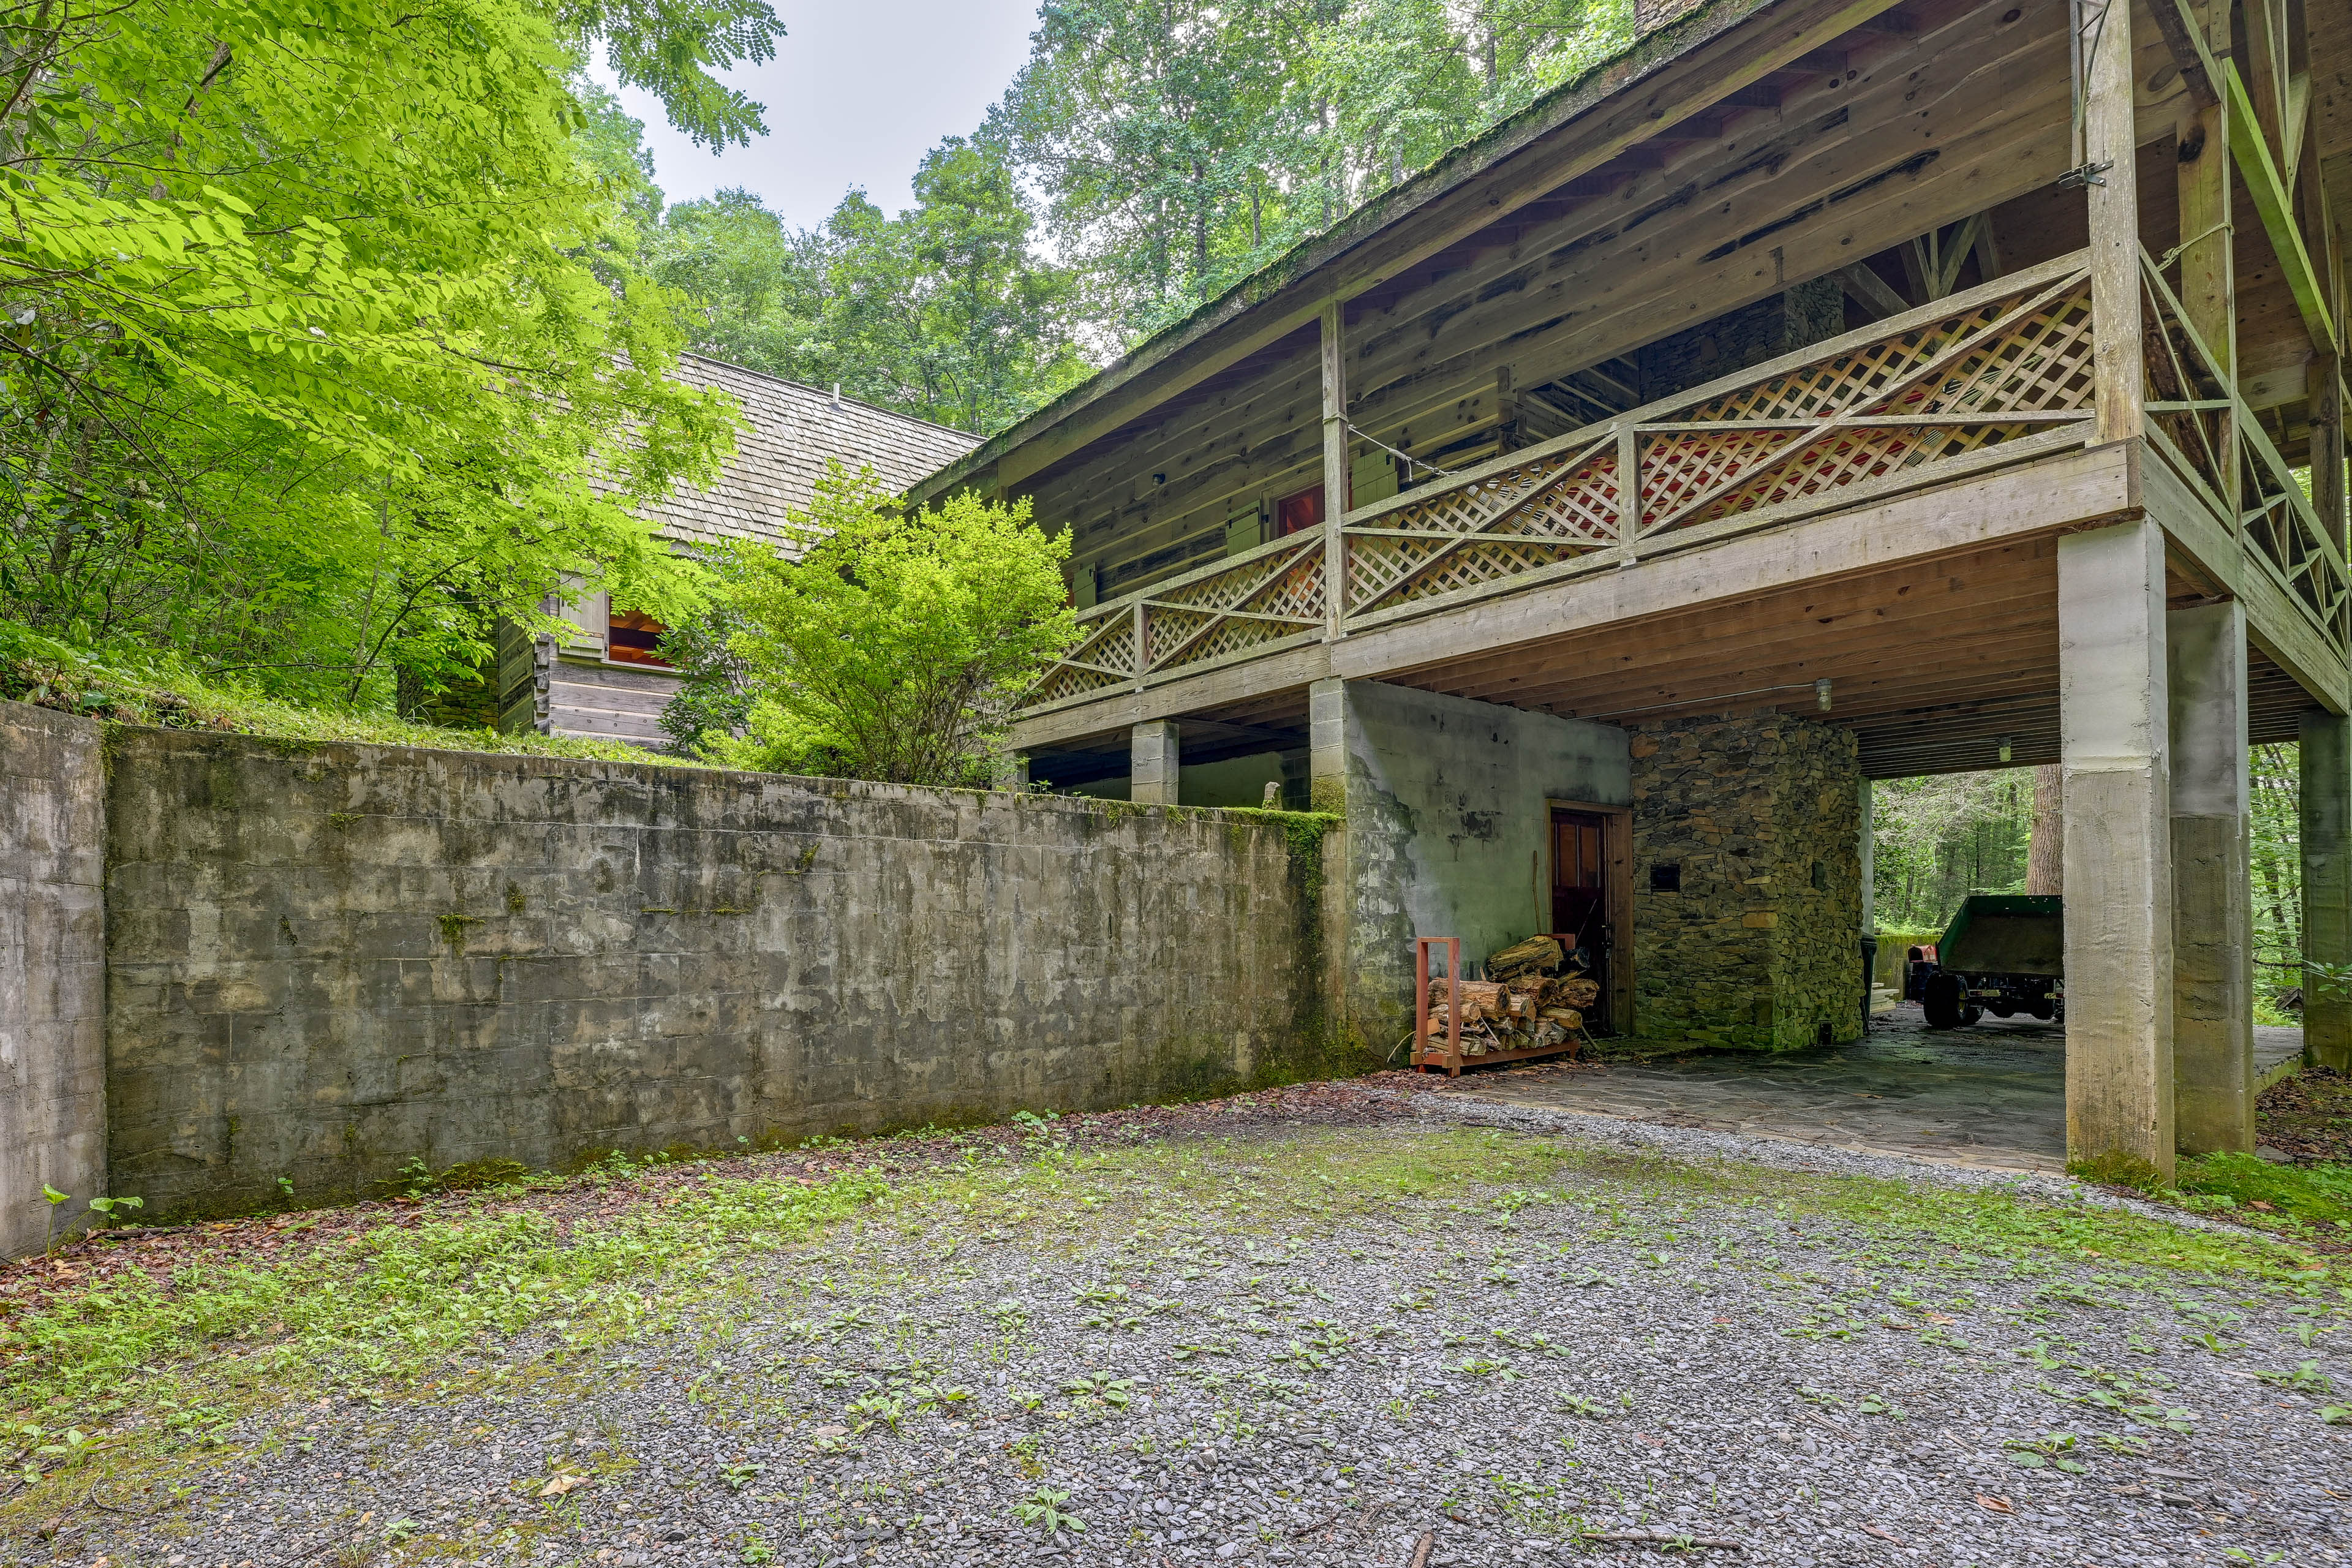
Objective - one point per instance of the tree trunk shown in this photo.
(2045, 860)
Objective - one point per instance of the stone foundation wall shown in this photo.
(1759, 820)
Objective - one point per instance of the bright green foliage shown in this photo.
(1182, 145)
(943, 312)
(324, 339)
(893, 646)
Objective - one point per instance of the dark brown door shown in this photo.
(1580, 893)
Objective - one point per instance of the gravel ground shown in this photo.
(1640, 1340)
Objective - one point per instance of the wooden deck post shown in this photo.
(1335, 465)
(2208, 285)
(2113, 719)
(2212, 909)
(2109, 161)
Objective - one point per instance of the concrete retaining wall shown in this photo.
(52, 973)
(330, 962)
(310, 967)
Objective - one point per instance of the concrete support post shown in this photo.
(2113, 723)
(2213, 908)
(1154, 757)
(1327, 746)
(2325, 831)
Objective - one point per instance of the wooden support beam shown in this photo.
(2183, 35)
(2110, 149)
(2209, 286)
(2276, 208)
(1335, 464)
(1870, 290)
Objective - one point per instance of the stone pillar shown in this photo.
(1151, 773)
(2113, 723)
(2212, 901)
(2325, 831)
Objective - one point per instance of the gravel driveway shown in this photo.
(1258, 1333)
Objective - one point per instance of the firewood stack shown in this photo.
(1528, 1006)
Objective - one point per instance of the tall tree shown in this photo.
(944, 311)
(326, 340)
(1179, 145)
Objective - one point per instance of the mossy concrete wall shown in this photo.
(328, 962)
(1759, 819)
(52, 973)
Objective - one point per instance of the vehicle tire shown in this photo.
(1943, 1000)
(1970, 1014)
(2042, 1010)
(2001, 1010)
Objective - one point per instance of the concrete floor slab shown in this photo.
(1993, 1094)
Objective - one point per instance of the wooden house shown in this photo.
(1819, 391)
(604, 676)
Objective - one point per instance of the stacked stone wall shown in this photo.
(1757, 820)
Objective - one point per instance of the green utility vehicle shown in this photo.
(2004, 953)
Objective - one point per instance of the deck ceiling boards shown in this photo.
(2331, 104)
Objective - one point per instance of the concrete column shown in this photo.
(2325, 831)
(1327, 746)
(1151, 773)
(2212, 901)
(2113, 723)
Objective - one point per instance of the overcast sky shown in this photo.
(857, 93)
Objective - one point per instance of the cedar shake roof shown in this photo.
(791, 430)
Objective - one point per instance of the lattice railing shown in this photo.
(2197, 419)
(1237, 608)
(1868, 411)
(1921, 398)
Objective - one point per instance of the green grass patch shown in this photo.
(2316, 1194)
(381, 1308)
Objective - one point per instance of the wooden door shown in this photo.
(1580, 893)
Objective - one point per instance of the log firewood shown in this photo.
(1537, 953)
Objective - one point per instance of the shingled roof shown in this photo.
(792, 429)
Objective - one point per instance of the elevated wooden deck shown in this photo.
(1877, 511)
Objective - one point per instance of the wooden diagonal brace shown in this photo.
(2276, 206)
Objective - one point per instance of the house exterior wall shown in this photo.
(1759, 819)
(1447, 807)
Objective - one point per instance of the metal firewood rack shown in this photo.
(1428, 1053)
